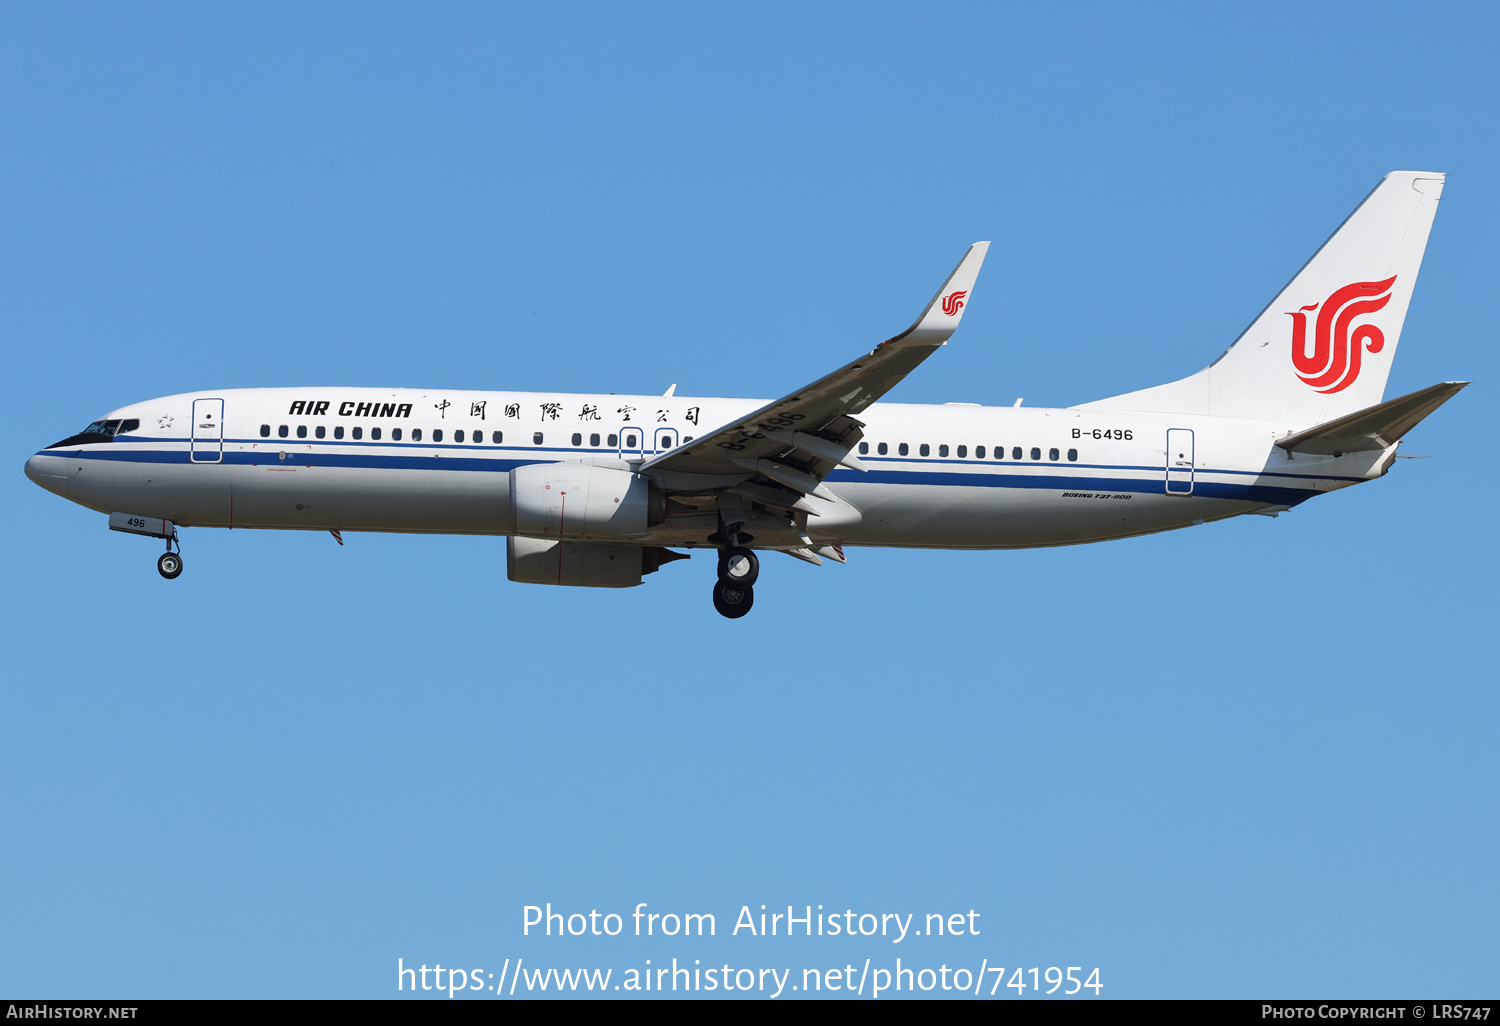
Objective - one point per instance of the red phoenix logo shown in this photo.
(1333, 364)
(954, 302)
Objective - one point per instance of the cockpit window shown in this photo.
(98, 431)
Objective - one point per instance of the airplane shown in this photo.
(601, 490)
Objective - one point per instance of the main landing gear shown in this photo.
(734, 592)
(733, 600)
(738, 566)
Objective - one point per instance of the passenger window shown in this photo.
(301, 430)
(1036, 453)
(320, 431)
(478, 437)
(1052, 454)
(942, 450)
(864, 448)
(594, 441)
(536, 439)
(395, 434)
(688, 439)
(375, 434)
(903, 449)
(963, 451)
(358, 433)
(612, 441)
(281, 431)
(978, 452)
(437, 434)
(882, 448)
(577, 438)
(925, 449)
(416, 434)
(630, 442)
(1072, 455)
(458, 436)
(497, 437)
(265, 431)
(338, 432)
(1015, 453)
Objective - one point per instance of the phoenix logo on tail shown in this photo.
(954, 302)
(1334, 363)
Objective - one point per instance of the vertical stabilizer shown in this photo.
(1323, 347)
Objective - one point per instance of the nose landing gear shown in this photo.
(169, 563)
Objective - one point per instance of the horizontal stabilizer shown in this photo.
(1375, 427)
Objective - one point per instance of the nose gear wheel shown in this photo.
(169, 563)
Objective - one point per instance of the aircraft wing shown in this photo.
(784, 449)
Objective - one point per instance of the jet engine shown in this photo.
(583, 564)
(583, 501)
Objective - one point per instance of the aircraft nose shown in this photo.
(50, 472)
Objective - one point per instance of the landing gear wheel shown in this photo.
(738, 567)
(169, 565)
(733, 600)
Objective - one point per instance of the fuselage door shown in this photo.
(208, 431)
(666, 439)
(1179, 461)
(632, 441)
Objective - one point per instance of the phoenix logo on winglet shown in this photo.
(1334, 363)
(954, 302)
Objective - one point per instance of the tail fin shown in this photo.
(1323, 347)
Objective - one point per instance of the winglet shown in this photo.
(942, 315)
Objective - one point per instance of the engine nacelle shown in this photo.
(582, 564)
(580, 500)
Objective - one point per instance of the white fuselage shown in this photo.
(435, 461)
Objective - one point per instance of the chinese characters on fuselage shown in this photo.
(477, 409)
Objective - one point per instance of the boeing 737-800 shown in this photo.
(598, 490)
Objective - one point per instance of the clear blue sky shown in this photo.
(1253, 758)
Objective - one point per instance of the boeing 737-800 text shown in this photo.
(598, 490)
